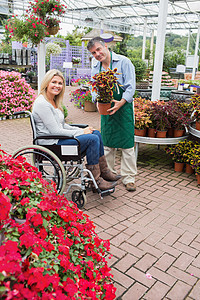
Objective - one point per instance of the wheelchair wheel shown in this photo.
(79, 197)
(46, 162)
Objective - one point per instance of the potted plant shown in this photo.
(53, 48)
(159, 117)
(76, 60)
(195, 106)
(35, 25)
(142, 117)
(179, 117)
(103, 84)
(176, 154)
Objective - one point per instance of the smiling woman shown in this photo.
(49, 120)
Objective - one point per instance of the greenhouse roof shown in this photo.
(128, 16)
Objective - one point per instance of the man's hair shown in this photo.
(96, 39)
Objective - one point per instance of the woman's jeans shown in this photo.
(92, 144)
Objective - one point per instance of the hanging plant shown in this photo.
(52, 48)
(42, 15)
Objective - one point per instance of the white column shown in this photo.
(188, 45)
(41, 51)
(159, 52)
(151, 48)
(144, 39)
(195, 53)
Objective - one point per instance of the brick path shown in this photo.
(154, 232)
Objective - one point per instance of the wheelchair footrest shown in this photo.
(107, 192)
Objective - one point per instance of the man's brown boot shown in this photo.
(102, 184)
(105, 172)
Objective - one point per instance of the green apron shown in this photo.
(117, 130)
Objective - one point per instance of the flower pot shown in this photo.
(198, 178)
(170, 132)
(161, 133)
(140, 132)
(178, 166)
(103, 107)
(189, 169)
(179, 132)
(152, 132)
(90, 106)
(197, 125)
(53, 30)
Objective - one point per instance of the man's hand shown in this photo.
(117, 105)
(88, 130)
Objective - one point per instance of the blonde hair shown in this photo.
(45, 82)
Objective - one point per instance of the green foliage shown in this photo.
(172, 59)
(140, 68)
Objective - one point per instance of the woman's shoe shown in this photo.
(103, 185)
(105, 172)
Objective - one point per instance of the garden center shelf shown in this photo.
(156, 141)
(193, 131)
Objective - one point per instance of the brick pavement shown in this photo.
(154, 232)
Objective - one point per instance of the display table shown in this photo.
(181, 96)
(156, 141)
(193, 131)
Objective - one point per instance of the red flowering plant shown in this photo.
(56, 253)
(41, 15)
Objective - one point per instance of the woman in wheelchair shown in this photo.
(49, 120)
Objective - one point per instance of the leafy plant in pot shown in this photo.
(103, 84)
(179, 117)
(159, 117)
(195, 106)
(142, 117)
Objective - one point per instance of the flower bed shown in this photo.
(56, 253)
(15, 93)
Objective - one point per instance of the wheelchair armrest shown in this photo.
(60, 137)
(79, 125)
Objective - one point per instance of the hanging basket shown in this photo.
(53, 30)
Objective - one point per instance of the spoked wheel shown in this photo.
(46, 162)
(79, 197)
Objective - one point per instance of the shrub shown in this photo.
(56, 253)
(15, 93)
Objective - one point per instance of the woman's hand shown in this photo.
(88, 130)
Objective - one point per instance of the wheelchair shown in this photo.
(61, 164)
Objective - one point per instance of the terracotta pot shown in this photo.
(178, 167)
(140, 132)
(53, 30)
(189, 169)
(197, 125)
(179, 132)
(170, 132)
(90, 106)
(152, 132)
(198, 178)
(103, 107)
(161, 133)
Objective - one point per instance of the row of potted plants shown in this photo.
(54, 253)
(163, 116)
(186, 152)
